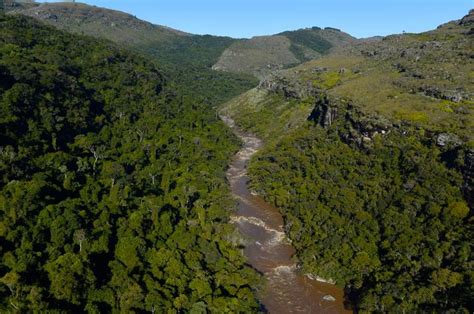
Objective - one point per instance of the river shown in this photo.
(267, 248)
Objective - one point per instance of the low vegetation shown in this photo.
(422, 78)
(266, 114)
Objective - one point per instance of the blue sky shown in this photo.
(246, 18)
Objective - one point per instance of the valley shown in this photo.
(267, 248)
(147, 169)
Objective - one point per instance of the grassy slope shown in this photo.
(258, 55)
(266, 114)
(393, 78)
(99, 22)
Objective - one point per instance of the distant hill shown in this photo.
(123, 28)
(264, 54)
(257, 56)
(186, 58)
(105, 23)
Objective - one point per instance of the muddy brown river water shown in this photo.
(267, 248)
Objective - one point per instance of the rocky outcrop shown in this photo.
(290, 88)
(323, 114)
(447, 141)
(468, 19)
(359, 128)
(451, 95)
(364, 128)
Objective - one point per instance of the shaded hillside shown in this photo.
(369, 156)
(257, 56)
(112, 189)
(186, 58)
(168, 45)
(310, 43)
(262, 55)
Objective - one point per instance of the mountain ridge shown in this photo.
(261, 55)
(75, 17)
(256, 56)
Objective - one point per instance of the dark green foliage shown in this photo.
(193, 50)
(316, 39)
(209, 86)
(307, 38)
(388, 222)
(184, 58)
(112, 191)
(188, 60)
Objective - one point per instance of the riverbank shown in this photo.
(267, 247)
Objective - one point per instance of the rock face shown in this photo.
(290, 88)
(323, 114)
(356, 127)
(451, 95)
(468, 19)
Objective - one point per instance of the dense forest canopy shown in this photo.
(112, 191)
(113, 195)
(389, 223)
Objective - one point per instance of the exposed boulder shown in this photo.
(329, 298)
(319, 69)
(451, 95)
(447, 140)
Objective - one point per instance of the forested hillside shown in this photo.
(369, 156)
(112, 191)
(185, 58)
(194, 55)
(113, 195)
